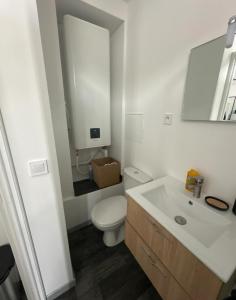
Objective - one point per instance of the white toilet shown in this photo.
(109, 214)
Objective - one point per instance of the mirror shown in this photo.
(210, 88)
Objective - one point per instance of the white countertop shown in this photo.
(220, 255)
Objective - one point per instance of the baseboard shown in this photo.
(69, 198)
(77, 227)
(61, 290)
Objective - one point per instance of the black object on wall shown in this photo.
(95, 133)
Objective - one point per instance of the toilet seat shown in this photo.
(109, 212)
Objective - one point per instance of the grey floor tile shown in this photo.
(104, 273)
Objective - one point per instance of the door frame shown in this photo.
(13, 215)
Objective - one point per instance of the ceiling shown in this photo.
(88, 13)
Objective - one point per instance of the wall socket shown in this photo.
(168, 119)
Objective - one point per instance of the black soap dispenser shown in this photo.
(234, 207)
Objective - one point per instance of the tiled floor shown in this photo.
(104, 273)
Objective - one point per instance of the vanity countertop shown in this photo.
(209, 234)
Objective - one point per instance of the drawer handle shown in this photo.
(158, 230)
(153, 263)
(145, 251)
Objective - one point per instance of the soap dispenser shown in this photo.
(191, 180)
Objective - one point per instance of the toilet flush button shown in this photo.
(38, 167)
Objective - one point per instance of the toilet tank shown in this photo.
(134, 177)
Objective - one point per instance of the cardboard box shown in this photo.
(106, 171)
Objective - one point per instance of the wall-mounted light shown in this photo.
(231, 32)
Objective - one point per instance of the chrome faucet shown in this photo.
(198, 187)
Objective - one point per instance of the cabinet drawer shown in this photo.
(196, 278)
(151, 265)
(163, 244)
(140, 220)
(155, 236)
(162, 280)
(176, 292)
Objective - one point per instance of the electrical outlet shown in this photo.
(168, 119)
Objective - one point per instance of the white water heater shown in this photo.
(87, 58)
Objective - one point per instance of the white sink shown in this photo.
(201, 222)
(209, 234)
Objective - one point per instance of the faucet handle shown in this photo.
(198, 186)
(199, 180)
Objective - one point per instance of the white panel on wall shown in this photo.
(116, 8)
(134, 127)
(87, 54)
(53, 68)
(3, 238)
(117, 90)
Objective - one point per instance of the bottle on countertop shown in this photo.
(191, 180)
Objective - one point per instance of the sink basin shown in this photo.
(197, 219)
(209, 234)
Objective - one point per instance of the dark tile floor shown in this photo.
(104, 273)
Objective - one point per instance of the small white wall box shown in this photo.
(87, 60)
(168, 119)
(38, 167)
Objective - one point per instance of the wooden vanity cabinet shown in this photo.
(161, 278)
(174, 271)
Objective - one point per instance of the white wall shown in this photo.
(50, 42)
(160, 36)
(116, 8)
(117, 88)
(26, 113)
(3, 238)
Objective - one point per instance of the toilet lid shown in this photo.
(110, 211)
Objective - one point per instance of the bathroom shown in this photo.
(153, 129)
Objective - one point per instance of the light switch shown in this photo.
(168, 119)
(38, 167)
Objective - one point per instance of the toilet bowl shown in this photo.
(109, 214)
